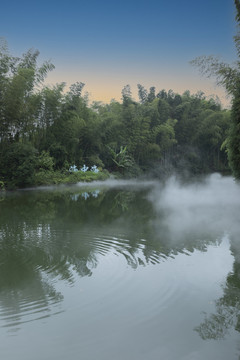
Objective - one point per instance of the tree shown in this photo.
(233, 142)
(142, 94)
(20, 102)
(151, 94)
(229, 77)
(17, 163)
(126, 95)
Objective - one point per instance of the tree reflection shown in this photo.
(25, 294)
(62, 234)
(227, 315)
(61, 230)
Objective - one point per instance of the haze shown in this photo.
(210, 206)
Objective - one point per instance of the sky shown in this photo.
(109, 44)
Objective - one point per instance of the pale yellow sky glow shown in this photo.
(106, 85)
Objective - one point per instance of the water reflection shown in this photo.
(195, 215)
(227, 308)
(25, 294)
(62, 234)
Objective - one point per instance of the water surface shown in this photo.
(121, 270)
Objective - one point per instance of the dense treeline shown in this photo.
(44, 130)
(229, 77)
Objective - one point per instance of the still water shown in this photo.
(121, 270)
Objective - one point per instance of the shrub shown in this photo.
(18, 165)
(45, 161)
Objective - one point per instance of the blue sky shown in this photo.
(108, 44)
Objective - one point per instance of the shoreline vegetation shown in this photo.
(58, 177)
(45, 130)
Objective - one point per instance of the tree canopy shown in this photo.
(48, 129)
(228, 76)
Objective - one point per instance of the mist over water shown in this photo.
(209, 206)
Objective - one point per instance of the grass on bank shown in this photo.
(48, 177)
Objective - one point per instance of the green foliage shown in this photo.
(45, 161)
(20, 102)
(18, 165)
(225, 74)
(228, 76)
(44, 131)
(165, 135)
(233, 144)
(95, 160)
(121, 159)
(59, 154)
(142, 94)
(47, 177)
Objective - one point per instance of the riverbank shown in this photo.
(47, 177)
(57, 177)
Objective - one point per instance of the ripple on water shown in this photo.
(136, 254)
(130, 297)
(78, 255)
(13, 314)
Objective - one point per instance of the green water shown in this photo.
(121, 270)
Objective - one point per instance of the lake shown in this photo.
(121, 270)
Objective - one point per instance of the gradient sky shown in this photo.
(108, 44)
